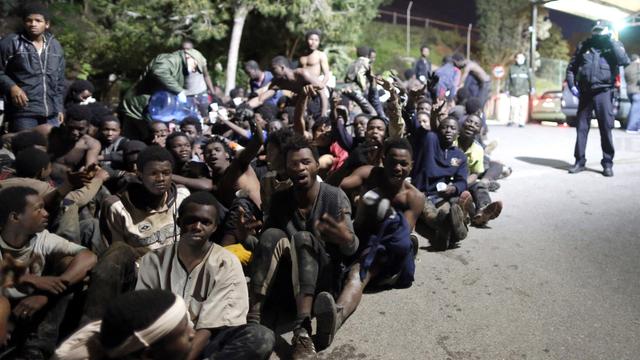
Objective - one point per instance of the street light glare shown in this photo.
(620, 24)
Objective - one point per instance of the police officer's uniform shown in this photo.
(591, 76)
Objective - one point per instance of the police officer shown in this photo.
(591, 77)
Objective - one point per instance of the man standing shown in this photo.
(32, 73)
(423, 65)
(167, 72)
(632, 76)
(519, 87)
(591, 77)
(315, 60)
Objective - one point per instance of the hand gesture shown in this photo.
(416, 93)
(386, 84)
(432, 83)
(309, 90)
(18, 96)
(335, 230)
(29, 306)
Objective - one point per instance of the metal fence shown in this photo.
(550, 74)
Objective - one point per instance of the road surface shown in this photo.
(556, 277)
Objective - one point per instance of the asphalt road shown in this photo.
(556, 277)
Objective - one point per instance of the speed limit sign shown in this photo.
(498, 72)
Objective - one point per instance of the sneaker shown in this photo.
(326, 313)
(494, 186)
(489, 212)
(466, 204)
(414, 244)
(458, 225)
(302, 345)
(506, 171)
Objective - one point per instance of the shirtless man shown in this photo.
(300, 81)
(70, 145)
(315, 60)
(394, 264)
(235, 183)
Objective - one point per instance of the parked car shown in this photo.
(548, 107)
(621, 103)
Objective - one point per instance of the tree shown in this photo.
(341, 22)
(241, 9)
(555, 46)
(504, 29)
(122, 36)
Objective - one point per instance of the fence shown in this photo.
(401, 18)
(550, 74)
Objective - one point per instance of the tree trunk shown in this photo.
(239, 18)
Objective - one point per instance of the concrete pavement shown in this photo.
(556, 277)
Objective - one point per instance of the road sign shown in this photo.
(498, 71)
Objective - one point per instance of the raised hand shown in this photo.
(335, 230)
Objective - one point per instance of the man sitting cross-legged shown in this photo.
(211, 281)
(311, 221)
(54, 266)
(485, 210)
(441, 173)
(387, 213)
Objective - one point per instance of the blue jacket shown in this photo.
(433, 164)
(41, 77)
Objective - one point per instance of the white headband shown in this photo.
(154, 332)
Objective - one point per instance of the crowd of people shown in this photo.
(127, 237)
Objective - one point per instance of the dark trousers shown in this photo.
(19, 123)
(312, 269)
(480, 192)
(37, 338)
(244, 342)
(114, 274)
(601, 101)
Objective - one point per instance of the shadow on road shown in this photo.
(552, 163)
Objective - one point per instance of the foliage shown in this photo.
(122, 36)
(501, 24)
(390, 44)
(555, 46)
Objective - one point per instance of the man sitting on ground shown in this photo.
(386, 249)
(484, 210)
(54, 266)
(312, 221)
(211, 281)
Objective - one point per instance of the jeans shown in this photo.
(633, 122)
(250, 341)
(20, 123)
